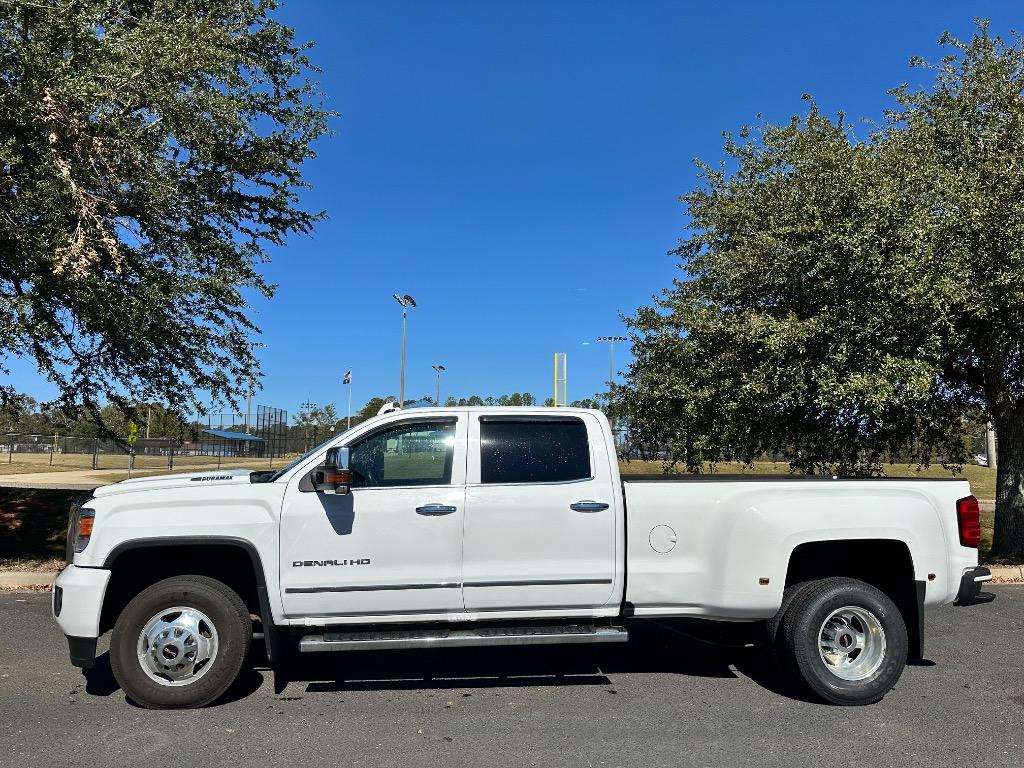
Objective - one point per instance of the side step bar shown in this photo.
(461, 638)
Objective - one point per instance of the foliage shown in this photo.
(598, 402)
(515, 399)
(372, 407)
(847, 303)
(149, 152)
(317, 416)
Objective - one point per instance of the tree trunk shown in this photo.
(1008, 538)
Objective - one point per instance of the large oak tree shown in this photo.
(150, 151)
(850, 302)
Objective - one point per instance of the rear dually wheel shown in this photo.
(846, 640)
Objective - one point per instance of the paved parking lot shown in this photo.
(665, 699)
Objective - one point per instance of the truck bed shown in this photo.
(720, 545)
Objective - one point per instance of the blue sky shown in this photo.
(515, 166)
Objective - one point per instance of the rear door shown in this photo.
(540, 526)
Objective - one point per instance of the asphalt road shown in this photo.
(663, 700)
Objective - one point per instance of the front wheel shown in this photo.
(846, 640)
(180, 642)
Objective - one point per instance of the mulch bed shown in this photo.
(34, 522)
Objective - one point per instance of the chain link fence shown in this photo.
(41, 453)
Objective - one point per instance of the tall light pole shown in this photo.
(308, 407)
(248, 399)
(611, 376)
(611, 357)
(438, 369)
(406, 301)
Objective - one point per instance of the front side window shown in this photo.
(533, 451)
(418, 453)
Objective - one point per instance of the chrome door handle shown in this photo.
(435, 509)
(588, 506)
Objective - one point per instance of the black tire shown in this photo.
(800, 633)
(224, 609)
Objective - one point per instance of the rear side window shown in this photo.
(538, 451)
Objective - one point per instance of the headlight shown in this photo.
(80, 530)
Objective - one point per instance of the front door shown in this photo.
(540, 515)
(393, 545)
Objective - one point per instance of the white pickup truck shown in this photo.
(458, 527)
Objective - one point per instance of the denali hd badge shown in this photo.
(309, 563)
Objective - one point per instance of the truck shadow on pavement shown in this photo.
(99, 681)
(686, 649)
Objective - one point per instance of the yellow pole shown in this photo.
(560, 379)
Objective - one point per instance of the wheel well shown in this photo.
(883, 563)
(134, 569)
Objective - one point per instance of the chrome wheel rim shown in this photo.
(177, 646)
(851, 643)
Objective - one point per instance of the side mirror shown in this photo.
(334, 477)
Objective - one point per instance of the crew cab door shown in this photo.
(540, 515)
(393, 544)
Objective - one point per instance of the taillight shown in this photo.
(968, 518)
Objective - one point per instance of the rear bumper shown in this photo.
(77, 603)
(970, 586)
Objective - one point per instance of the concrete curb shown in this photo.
(15, 579)
(1007, 574)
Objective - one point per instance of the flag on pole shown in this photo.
(348, 378)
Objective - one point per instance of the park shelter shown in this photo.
(223, 442)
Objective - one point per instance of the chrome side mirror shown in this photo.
(334, 477)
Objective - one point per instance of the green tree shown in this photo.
(15, 410)
(326, 416)
(515, 399)
(372, 407)
(161, 422)
(847, 303)
(149, 152)
(598, 402)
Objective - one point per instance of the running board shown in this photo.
(460, 638)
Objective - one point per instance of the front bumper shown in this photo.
(77, 601)
(970, 587)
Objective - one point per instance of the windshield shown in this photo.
(269, 478)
